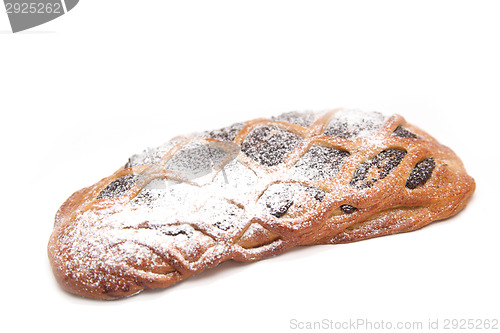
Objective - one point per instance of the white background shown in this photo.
(82, 93)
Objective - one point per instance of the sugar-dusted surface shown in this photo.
(319, 162)
(248, 191)
(269, 145)
(350, 124)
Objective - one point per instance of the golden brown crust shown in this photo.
(396, 178)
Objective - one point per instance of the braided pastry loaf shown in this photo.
(249, 191)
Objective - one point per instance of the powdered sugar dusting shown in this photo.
(151, 155)
(351, 124)
(269, 145)
(220, 213)
(227, 134)
(235, 179)
(204, 194)
(304, 118)
(319, 162)
(196, 160)
(279, 198)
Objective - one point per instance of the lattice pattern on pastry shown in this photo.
(253, 189)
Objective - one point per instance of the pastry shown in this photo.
(250, 191)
